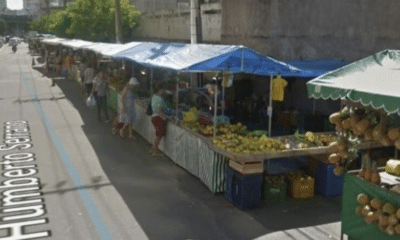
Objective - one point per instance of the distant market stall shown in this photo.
(369, 89)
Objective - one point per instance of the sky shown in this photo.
(15, 4)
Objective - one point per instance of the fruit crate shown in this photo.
(327, 183)
(243, 190)
(301, 189)
(275, 193)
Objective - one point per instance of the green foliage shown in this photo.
(40, 24)
(92, 20)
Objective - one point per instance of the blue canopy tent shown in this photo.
(205, 57)
(315, 68)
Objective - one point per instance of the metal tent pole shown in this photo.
(215, 109)
(270, 107)
(151, 82)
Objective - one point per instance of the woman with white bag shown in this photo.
(128, 111)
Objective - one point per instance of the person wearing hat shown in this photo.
(128, 112)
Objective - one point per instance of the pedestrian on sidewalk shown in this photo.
(128, 112)
(70, 61)
(161, 112)
(87, 83)
(100, 91)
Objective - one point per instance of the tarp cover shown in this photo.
(54, 41)
(109, 49)
(76, 43)
(206, 57)
(316, 68)
(373, 81)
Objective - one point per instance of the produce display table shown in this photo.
(293, 152)
(188, 150)
(354, 226)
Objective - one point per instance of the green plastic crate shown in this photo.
(275, 193)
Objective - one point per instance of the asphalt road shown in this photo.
(89, 184)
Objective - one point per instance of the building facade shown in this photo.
(283, 29)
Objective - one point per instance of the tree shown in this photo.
(40, 24)
(93, 20)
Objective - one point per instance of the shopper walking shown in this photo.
(87, 84)
(100, 90)
(161, 112)
(128, 112)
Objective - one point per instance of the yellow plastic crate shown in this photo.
(299, 189)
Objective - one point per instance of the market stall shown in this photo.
(369, 89)
(200, 58)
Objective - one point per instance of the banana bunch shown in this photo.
(191, 115)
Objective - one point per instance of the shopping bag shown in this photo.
(90, 101)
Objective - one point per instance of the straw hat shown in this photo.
(133, 81)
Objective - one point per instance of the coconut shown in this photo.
(338, 171)
(390, 230)
(341, 145)
(376, 204)
(397, 144)
(354, 120)
(358, 210)
(368, 134)
(362, 199)
(397, 229)
(383, 221)
(363, 125)
(393, 219)
(343, 154)
(385, 141)
(378, 132)
(339, 127)
(370, 218)
(394, 133)
(366, 209)
(334, 158)
(333, 147)
(334, 118)
(346, 124)
(388, 208)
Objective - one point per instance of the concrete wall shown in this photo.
(174, 25)
(312, 29)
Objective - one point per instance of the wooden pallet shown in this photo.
(248, 167)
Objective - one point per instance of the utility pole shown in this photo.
(118, 31)
(47, 7)
(195, 34)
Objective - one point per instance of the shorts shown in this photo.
(160, 125)
(89, 87)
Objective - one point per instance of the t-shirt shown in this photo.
(69, 60)
(278, 89)
(101, 86)
(89, 76)
(156, 102)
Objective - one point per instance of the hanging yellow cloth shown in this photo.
(278, 88)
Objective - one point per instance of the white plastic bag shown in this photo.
(90, 101)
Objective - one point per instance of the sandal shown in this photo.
(120, 136)
(156, 154)
(132, 138)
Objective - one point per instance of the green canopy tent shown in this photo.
(373, 81)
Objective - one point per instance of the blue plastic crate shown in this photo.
(327, 183)
(243, 190)
(284, 165)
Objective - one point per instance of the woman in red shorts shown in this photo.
(161, 110)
